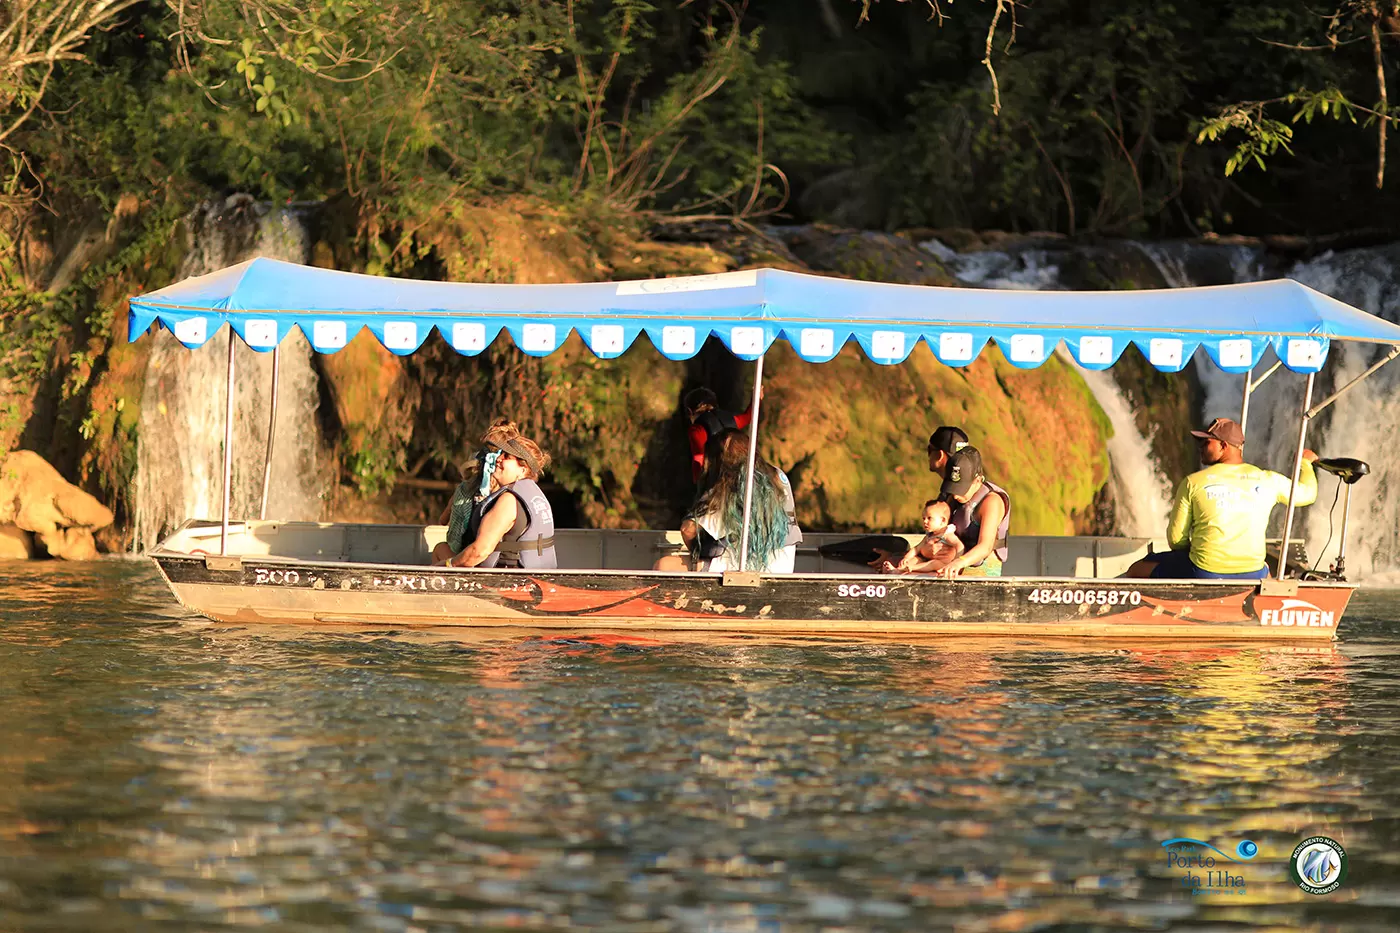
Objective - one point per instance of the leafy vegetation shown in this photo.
(1051, 114)
(612, 117)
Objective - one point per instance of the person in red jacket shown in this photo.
(708, 420)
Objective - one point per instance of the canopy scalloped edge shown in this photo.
(263, 300)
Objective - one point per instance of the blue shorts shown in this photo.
(1177, 565)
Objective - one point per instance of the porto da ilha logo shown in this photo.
(1318, 865)
(1202, 868)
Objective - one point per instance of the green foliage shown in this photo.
(1263, 136)
(1085, 139)
(374, 465)
(415, 110)
(1333, 66)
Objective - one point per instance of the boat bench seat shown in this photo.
(610, 549)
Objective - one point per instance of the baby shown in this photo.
(939, 548)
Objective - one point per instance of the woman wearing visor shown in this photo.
(501, 517)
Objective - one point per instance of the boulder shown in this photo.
(15, 543)
(35, 498)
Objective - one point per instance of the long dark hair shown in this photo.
(722, 492)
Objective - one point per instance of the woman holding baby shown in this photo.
(965, 528)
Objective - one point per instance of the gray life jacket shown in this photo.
(530, 541)
(969, 528)
(794, 534)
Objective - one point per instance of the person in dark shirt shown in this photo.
(942, 444)
(708, 420)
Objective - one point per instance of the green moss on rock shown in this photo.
(853, 435)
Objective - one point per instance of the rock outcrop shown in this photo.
(15, 543)
(35, 499)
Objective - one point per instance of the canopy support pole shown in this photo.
(753, 455)
(271, 431)
(228, 446)
(1297, 468)
(1250, 384)
(1339, 566)
(1312, 412)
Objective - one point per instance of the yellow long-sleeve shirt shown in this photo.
(1222, 512)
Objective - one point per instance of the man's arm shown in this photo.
(697, 436)
(742, 419)
(1307, 483)
(1179, 523)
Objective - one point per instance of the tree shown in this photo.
(1372, 24)
(35, 37)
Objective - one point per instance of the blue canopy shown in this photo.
(263, 299)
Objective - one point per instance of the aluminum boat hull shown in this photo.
(269, 590)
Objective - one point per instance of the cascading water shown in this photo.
(179, 473)
(1364, 423)
(1140, 491)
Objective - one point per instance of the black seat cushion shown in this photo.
(862, 550)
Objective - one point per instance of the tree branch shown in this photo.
(1383, 124)
(987, 55)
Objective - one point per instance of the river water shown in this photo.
(162, 773)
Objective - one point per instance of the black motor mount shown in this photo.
(1346, 469)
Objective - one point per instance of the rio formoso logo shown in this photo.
(1297, 613)
(1318, 865)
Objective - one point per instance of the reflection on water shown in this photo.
(158, 771)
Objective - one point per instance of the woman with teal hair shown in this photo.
(712, 529)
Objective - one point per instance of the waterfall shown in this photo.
(179, 472)
(1365, 423)
(1140, 490)
(1142, 494)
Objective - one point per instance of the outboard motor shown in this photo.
(1349, 471)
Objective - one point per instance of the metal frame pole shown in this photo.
(1250, 385)
(1244, 405)
(271, 432)
(753, 455)
(228, 446)
(1297, 468)
(1340, 566)
(1312, 412)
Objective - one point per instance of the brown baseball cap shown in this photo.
(1223, 430)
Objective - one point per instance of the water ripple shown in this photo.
(156, 770)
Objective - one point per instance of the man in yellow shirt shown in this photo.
(1221, 514)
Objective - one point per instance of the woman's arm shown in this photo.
(989, 514)
(494, 525)
(446, 515)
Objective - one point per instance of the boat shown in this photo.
(269, 571)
